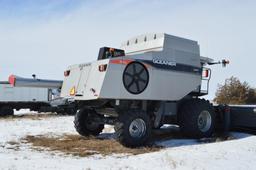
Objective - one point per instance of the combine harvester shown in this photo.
(154, 79)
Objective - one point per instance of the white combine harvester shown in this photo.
(155, 79)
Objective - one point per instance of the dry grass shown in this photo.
(82, 146)
(86, 146)
(105, 144)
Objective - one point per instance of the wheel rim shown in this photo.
(204, 121)
(137, 128)
(135, 78)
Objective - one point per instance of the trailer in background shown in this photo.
(34, 94)
(22, 98)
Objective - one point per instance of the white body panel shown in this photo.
(9, 93)
(86, 79)
(173, 66)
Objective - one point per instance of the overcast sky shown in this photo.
(45, 36)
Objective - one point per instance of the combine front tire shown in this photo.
(133, 128)
(197, 118)
(85, 123)
(70, 111)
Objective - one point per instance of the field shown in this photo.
(48, 141)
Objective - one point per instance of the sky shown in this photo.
(43, 37)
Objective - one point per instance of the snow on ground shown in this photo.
(177, 154)
(23, 112)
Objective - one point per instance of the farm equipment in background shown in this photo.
(154, 79)
(23, 97)
(34, 94)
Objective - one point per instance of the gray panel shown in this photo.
(9, 93)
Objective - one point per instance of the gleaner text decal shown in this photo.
(164, 62)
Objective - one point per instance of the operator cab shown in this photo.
(107, 52)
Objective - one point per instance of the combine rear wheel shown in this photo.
(197, 118)
(133, 128)
(85, 123)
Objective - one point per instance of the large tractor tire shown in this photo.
(6, 111)
(196, 118)
(70, 111)
(133, 128)
(85, 122)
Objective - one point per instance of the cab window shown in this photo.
(107, 52)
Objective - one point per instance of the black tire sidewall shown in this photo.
(122, 128)
(70, 111)
(81, 121)
(188, 118)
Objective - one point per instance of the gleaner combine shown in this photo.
(154, 79)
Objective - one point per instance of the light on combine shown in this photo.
(66, 73)
(205, 73)
(72, 91)
(103, 67)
